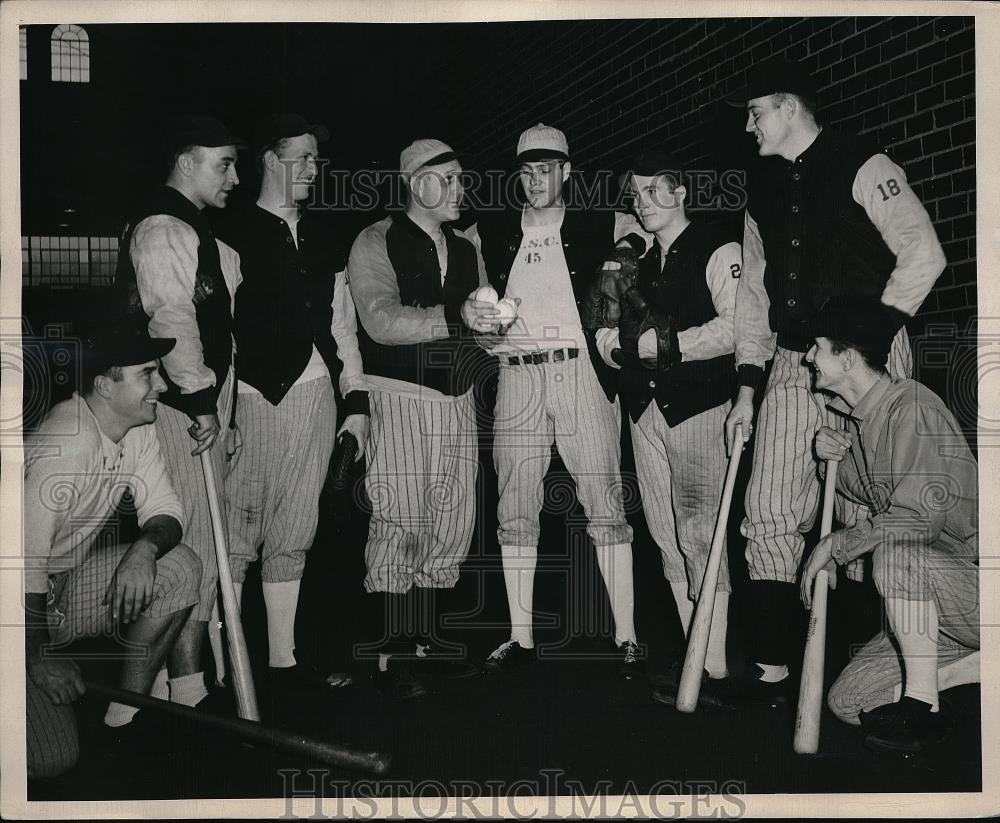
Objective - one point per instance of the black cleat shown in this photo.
(749, 692)
(305, 676)
(508, 656)
(711, 693)
(629, 666)
(433, 661)
(398, 683)
(906, 726)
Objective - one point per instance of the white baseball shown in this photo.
(507, 311)
(486, 294)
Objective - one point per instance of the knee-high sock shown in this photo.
(685, 608)
(959, 672)
(615, 563)
(188, 690)
(160, 689)
(915, 625)
(519, 576)
(281, 601)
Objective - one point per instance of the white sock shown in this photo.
(383, 662)
(188, 689)
(772, 673)
(216, 644)
(959, 672)
(915, 625)
(715, 659)
(685, 608)
(281, 600)
(519, 576)
(615, 563)
(160, 689)
(118, 715)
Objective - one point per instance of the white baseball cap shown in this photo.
(424, 152)
(542, 142)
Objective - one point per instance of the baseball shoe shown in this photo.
(629, 666)
(398, 683)
(305, 676)
(906, 726)
(711, 693)
(753, 691)
(437, 662)
(508, 656)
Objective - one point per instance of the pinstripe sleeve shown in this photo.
(151, 488)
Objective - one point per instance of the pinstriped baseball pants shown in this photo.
(871, 677)
(559, 402)
(681, 472)
(274, 487)
(783, 495)
(75, 611)
(422, 468)
(188, 480)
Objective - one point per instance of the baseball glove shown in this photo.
(601, 308)
(638, 316)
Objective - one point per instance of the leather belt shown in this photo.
(550, 355)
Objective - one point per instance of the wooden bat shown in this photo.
(239, 659)
(701, 623)
(811, 685)
(334, 754)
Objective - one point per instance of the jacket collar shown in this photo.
(867, 404)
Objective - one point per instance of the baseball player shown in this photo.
(175, 278)
(409, 276)
(673, 346)
(553, 388)
(828, 214)
(904, 459)
(86, 453)
(295, 332)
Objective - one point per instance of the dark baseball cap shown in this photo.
(198, 130)
(653, 163)
(274, 127)
(858, 321)
(125, 343)
(773, 77)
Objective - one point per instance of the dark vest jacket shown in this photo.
(285, 303)
(681, 291)
(452, 365)
(211, 297)
(818, 242)
(587, 239)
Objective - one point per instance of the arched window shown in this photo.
(70, 54)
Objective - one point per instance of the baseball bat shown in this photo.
(701, 623)
(239, 658)
(811, 685)
(334, 754)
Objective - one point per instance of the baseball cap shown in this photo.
(274, 127)
(773, 76)
(652, 163)
(198, 130)
(424, 152)
(859, 321)
(542, 142)
(123, 344)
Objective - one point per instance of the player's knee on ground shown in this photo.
(178, 581)
(842, 699)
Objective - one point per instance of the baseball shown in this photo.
(507, 311)
(486, 294)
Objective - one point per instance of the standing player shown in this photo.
(553, 388)
(409, 276)
(828, 214)
(86, 453)
(174, 277)
(295, 333)
(674, 348)
(905, 460)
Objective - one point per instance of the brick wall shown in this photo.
(615, 86)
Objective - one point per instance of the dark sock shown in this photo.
(774, 617)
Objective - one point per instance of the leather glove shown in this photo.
(639, 316)
(601, 307)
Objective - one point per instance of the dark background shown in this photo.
(614, 86)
